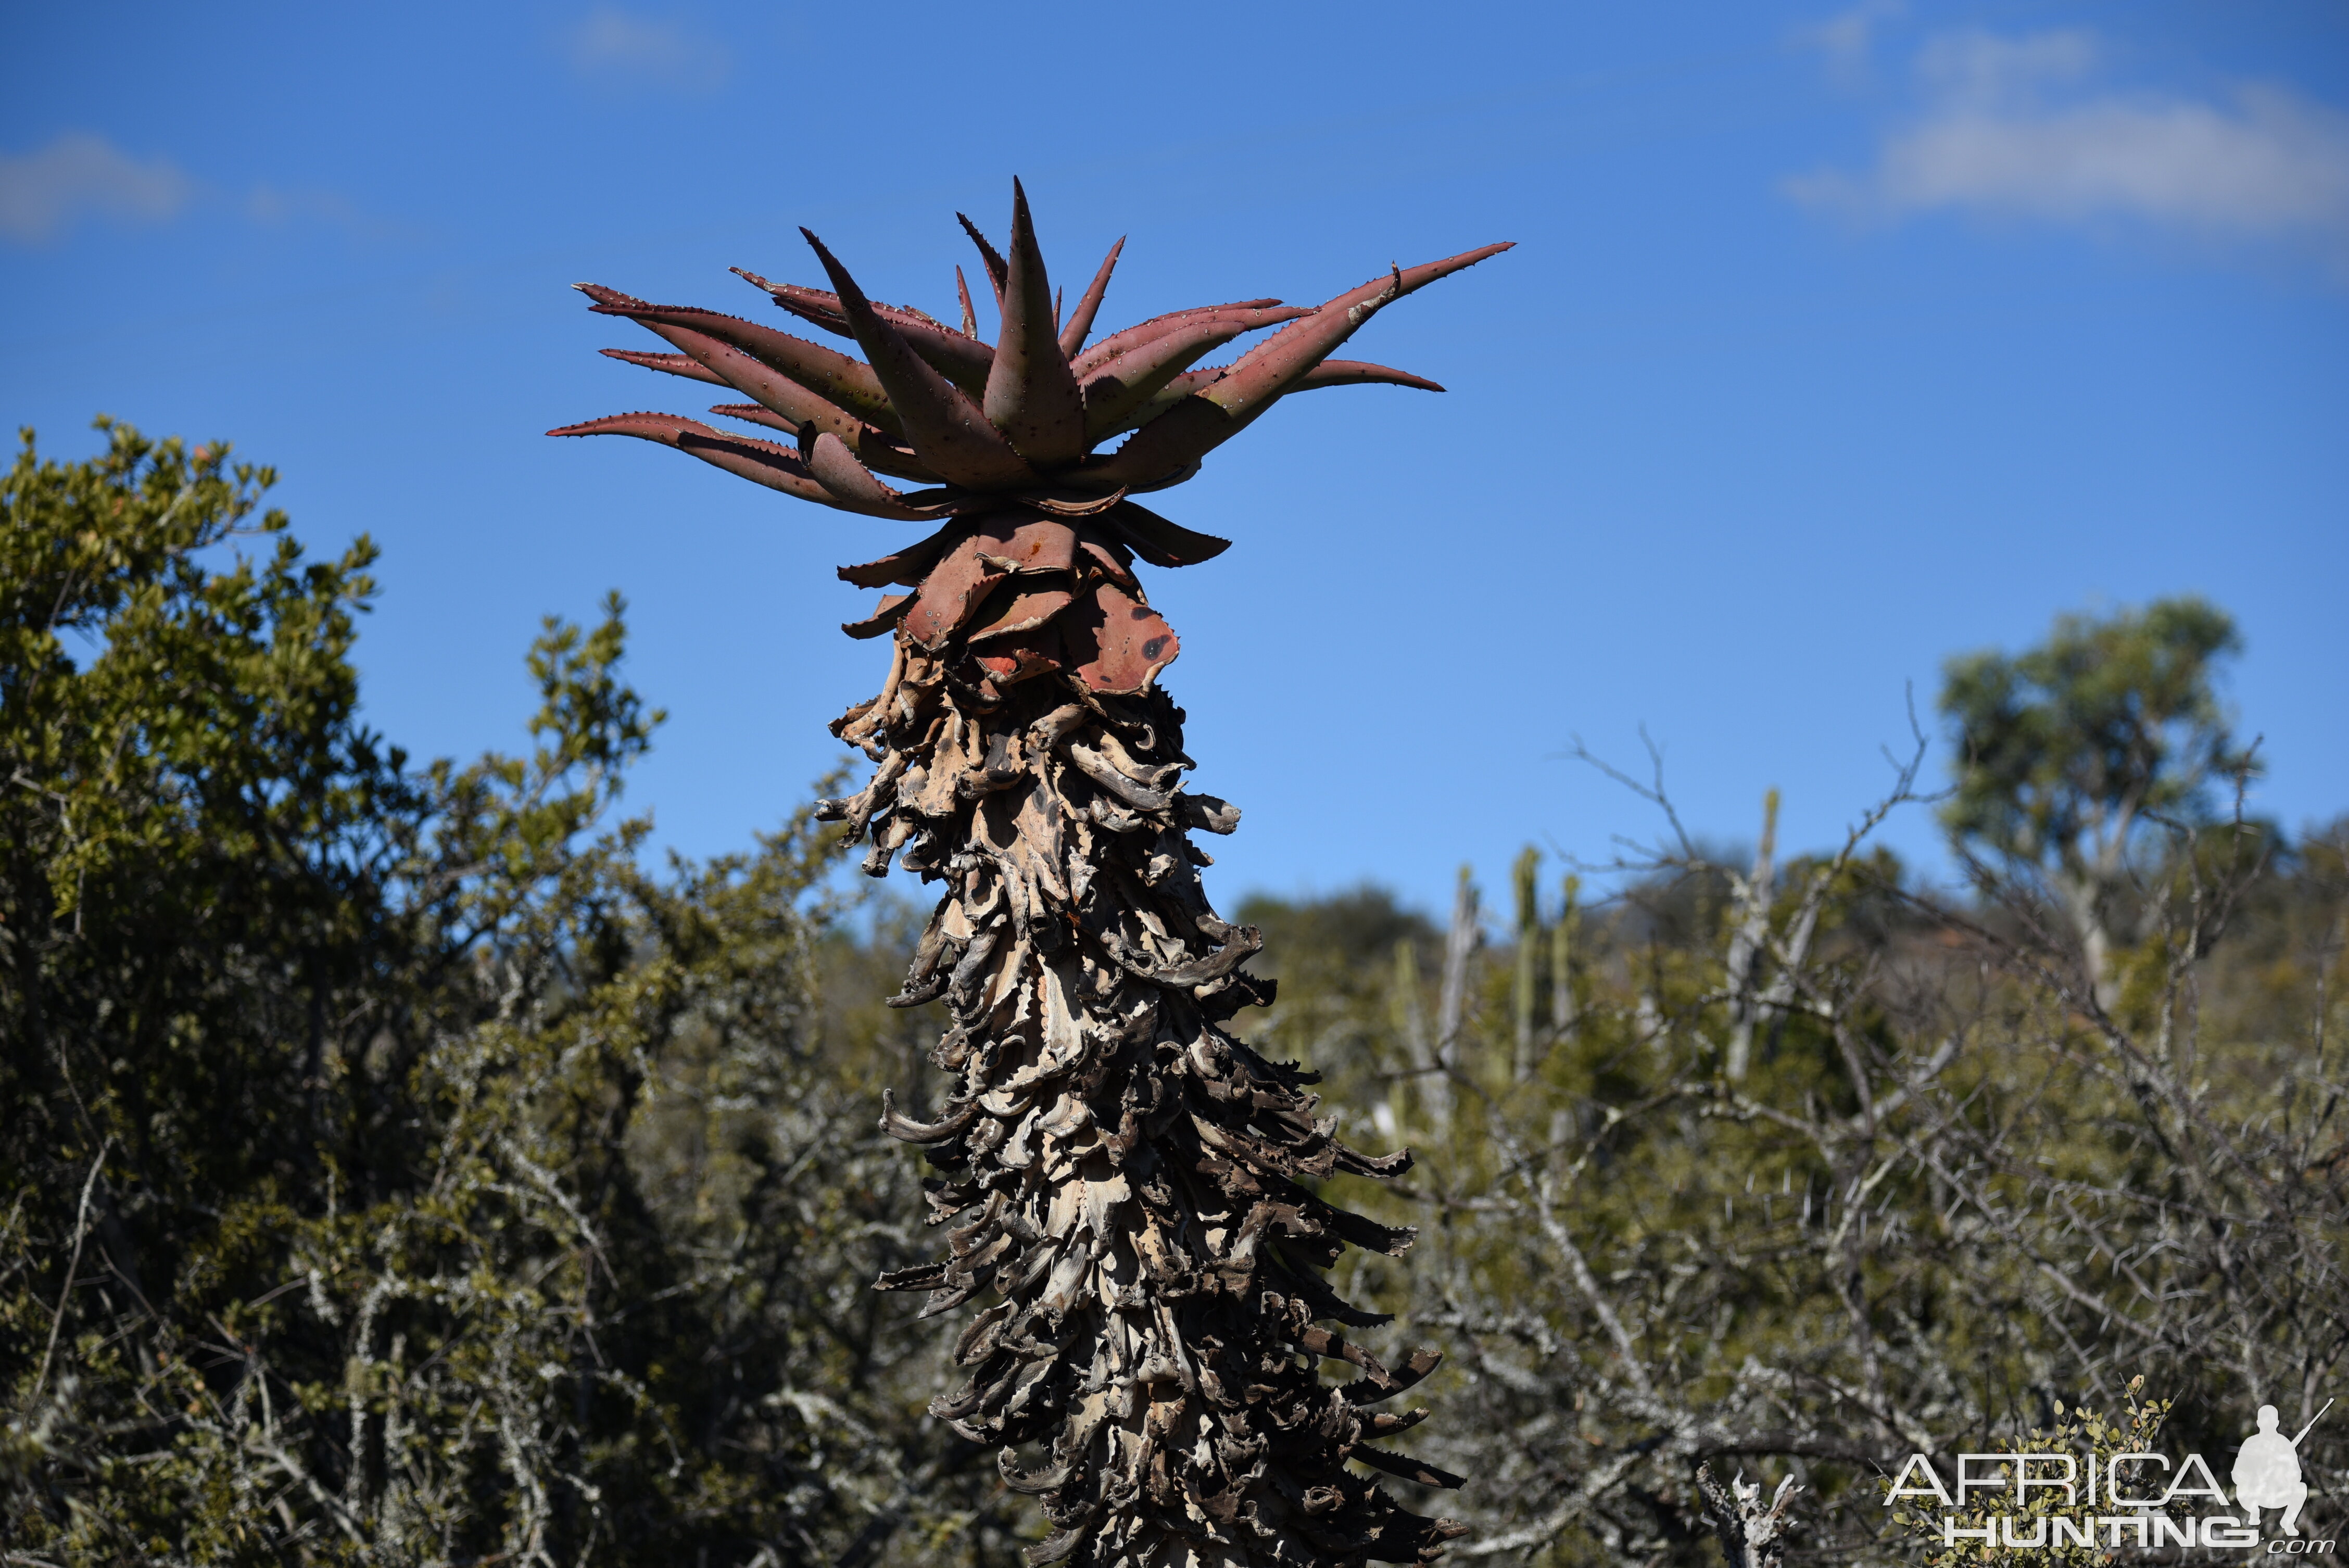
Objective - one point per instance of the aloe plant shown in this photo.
(1129, 1179)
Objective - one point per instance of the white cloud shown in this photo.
(1847, 38)
(2275, 164)
(44, 193)
(613, 46)
(1997, 138)
(1983, 67)
(279, 207)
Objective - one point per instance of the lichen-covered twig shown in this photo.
(1752, 1536)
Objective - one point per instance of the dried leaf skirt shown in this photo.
(1125, 1177)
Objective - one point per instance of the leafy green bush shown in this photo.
(396, 1171)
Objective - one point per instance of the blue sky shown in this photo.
(1836, 342)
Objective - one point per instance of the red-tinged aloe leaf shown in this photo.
(948, 501)
(954, 588)
(843, 382)
(1117, 644)
(835, 467)
(1165, 398)
(1160, 542)
(883, 620)
(965, 361)
(1267, 370)
(1069, 501)
(960, 359)
(1110, 555)
(946, 429)
(761, 462)
(751, 414)
(1172, 445)
(814, 306)
(1010, 544)
(1174, 441)
(969, 315)
(1358, 373)
(793, 405)
(822, 307)
(683, 365)
(1011, 660)
(1329, 373)
(997, 268)
(1116, 392)
(885, 457)
(1080, 324)
(906, 567)
(1021, 610)
(875, 452)
(1255, 311)
(729, 367)
(1031, 395)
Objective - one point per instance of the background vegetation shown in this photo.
(396, 1170)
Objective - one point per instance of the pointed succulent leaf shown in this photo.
(970, 314)
(883, 619)
(1104, 551)
(789, 402)
(745, 373)
(1160, 542)
(846, 382)
(852, 484)
(683, 365)
(906, 567)
(1176, 388)
(753, 413)
(1179, 437)
(1069, 501)
(946, 429)
(1265, 371)
(1329, 373)
(1078, 325)
(1255, 312)
(997, 268)
(821, 306)
(1031, 395)
(761, 462)
(1118, 388)
(876, 450)
(1358, 373)
(961, 360)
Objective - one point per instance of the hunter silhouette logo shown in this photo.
(2267, 1471)
(2053, 1499)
